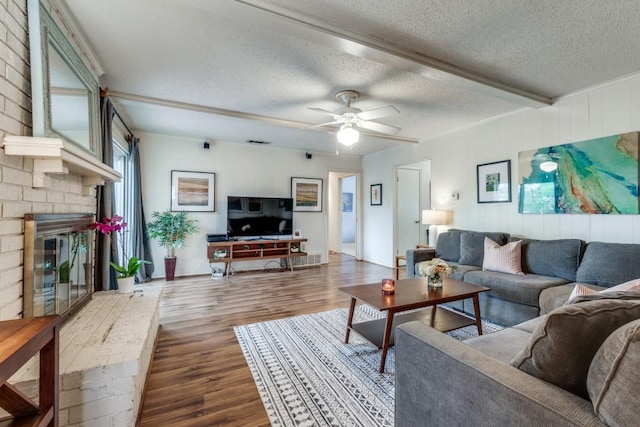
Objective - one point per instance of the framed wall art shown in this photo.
(193, 191)
(494, 182)
(347, 202)
(596, 176)
(376, 195)
(306, 194)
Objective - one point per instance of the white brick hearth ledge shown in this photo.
(105, 353)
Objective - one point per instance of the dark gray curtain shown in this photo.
(106, 250)
(139, 238)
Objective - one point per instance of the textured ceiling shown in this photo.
(230, 70)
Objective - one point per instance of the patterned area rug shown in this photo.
(307, 376)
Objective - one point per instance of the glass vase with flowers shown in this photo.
(436, 270)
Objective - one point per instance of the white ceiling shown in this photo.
(249, 70)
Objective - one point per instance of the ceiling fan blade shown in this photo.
(379, 127)
(325, 124)
(323, 111)
(389, 110)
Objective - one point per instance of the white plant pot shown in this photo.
(125, 284)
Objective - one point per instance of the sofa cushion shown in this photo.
(502, 345)
(559, 258)
(530, 325)
(472, 245)
(523, 289)
(462, 270)
(505, 259)
(448, 245)
(557, 296)
(562, 346)
(613, 381)
(609, 264)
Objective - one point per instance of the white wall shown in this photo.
(607, 110)
(241, 170)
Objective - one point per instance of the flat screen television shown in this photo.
(259, 217)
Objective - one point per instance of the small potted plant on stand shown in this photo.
(171, 230)
(127, 272)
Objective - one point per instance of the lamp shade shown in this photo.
(433, 217)
(347, 135)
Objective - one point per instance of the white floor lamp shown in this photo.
(433, 218)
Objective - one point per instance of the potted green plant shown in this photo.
(171, 230)
(126, 272)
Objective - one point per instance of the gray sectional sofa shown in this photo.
(557, 364)
(551, 269)
(496, 380)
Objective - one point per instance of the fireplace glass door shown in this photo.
(59, 267)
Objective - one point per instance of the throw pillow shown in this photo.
(579, 290)
(562, 346)
(472, 245)
(504, 259)
(627, 288)
(631, 285)
(613, 377)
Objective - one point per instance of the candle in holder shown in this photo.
(388, 286)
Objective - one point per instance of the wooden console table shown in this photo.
(251, 250)
(20, 340)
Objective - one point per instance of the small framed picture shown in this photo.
(494, 182)
(376, 195)
(297, 234)
(347, 202)
(306, 194)
(193, 191)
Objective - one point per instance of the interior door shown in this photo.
(408, 209)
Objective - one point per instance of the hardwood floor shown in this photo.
(199, 376)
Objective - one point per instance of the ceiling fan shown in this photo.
(351, 117)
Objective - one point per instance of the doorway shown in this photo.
(344, 210)
(413, 192)
(348, 215)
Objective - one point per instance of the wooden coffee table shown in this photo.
(411, 294)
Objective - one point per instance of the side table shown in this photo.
(397, 266)
(19, 340)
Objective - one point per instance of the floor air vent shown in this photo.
(309, 259)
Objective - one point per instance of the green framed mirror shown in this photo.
(65, 94)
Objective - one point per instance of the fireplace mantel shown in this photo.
(55, 156)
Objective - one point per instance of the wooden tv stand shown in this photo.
(251, 250)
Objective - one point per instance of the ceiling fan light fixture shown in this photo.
(347, 135)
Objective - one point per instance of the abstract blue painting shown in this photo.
(597, 176)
